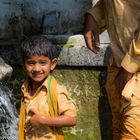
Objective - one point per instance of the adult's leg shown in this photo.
(114, 100)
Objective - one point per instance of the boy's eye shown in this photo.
(43, 62)
(30, 62)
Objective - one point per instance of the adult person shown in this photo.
(121, 18)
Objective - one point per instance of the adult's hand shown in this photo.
(91, 30)
(122, 78)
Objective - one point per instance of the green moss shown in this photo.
(73, 41)
(84, 88)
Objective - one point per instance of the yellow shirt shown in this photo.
(39, 103)
(122, 18)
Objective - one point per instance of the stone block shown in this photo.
(5, 70)
(75, 52)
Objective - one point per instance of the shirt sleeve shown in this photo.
(66, 106)
(131, 61)
(98, 13)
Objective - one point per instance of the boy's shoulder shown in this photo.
(61, 89)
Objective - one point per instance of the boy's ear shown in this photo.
(54, 62)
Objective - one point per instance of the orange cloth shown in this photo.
(22, 120)
(53, 105)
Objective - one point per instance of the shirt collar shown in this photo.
(25, 86)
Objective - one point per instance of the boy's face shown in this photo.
(38, 67)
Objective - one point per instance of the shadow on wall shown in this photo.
(105, 116)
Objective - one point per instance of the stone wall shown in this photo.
(20, 18)
(60, 20)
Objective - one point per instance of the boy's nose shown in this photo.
(37, 67)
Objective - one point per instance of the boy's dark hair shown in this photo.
(39, 45)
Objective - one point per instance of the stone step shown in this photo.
(75, 52)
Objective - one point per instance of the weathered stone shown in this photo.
(5, 70)
(75, 52)
(81, 56)
(84, 88)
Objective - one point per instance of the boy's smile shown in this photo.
(38, 67)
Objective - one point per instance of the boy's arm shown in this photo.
(58, 121)
(37, 120)
(94, 25)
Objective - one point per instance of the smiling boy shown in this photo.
(45, 106)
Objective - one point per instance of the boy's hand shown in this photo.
(122, 78)
(91, 30)
(34, 122)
